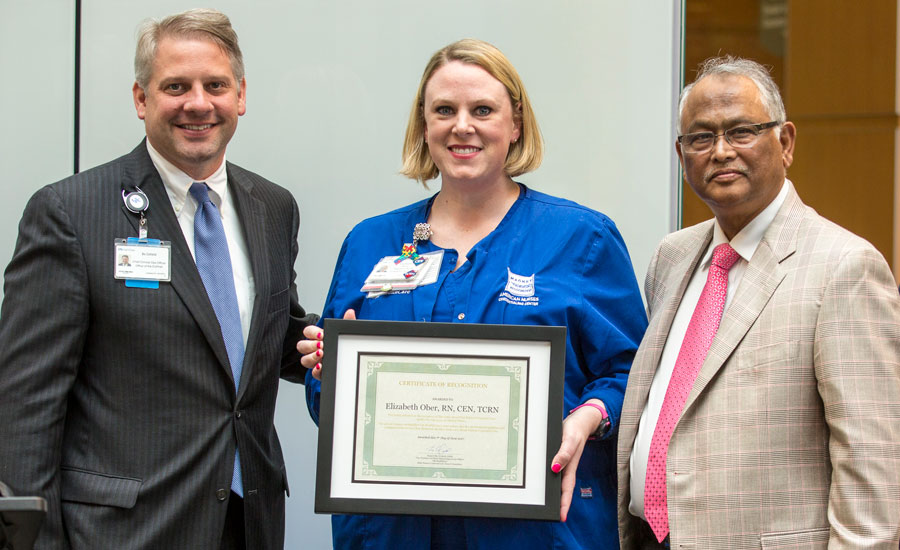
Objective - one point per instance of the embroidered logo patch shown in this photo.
(587, 492)
(519, 290)
(519, 285)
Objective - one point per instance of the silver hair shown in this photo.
(197, 23)
(738, 66)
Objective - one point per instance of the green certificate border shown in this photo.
(370, 367)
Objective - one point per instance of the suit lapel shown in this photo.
(162, 224)
(764, 274)
(252, 214)
(675, 266)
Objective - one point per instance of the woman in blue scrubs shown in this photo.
(508, 255)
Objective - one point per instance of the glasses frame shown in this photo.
(758, 128)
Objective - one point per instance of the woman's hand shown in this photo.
(577, 428)
(311, 346)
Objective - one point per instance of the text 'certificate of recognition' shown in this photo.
(441, 420)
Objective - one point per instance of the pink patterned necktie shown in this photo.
(700, 332)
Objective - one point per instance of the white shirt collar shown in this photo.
(177, 183)
(747, 240)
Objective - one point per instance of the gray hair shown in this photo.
(197, 23)
(738, 66)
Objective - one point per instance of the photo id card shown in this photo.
(143, 262)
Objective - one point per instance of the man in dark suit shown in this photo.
(141, 406)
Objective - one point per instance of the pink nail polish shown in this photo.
(318, 353)
(319, 345)
(319, 336)
(556, 467)
(318, 366)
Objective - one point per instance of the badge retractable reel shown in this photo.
(137, 202)
(140, 261)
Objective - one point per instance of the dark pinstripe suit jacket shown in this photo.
(118, 404)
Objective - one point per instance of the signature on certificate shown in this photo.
(440, 448)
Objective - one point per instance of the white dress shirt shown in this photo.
(177, 184)
(745, 244)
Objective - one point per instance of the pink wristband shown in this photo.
(596, 406)
(604, 422)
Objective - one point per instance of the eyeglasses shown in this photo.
(741, 137)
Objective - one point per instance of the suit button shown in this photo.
(238, 414)
(221, 494)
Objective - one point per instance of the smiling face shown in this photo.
(737, 184)
(469, 124)
(191, 105)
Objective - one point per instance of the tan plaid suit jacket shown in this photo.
(790, 437)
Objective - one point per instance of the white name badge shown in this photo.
(143, 262)
(388, 275)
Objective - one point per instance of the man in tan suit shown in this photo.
(778, 426)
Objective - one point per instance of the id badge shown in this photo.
(390, 275)
(143, 263)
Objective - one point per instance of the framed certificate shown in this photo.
(440, 419)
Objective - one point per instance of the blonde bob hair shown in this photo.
(524, 155)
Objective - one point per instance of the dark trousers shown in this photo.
(648, 539)
(233, 532)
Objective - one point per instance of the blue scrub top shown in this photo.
(583, 280)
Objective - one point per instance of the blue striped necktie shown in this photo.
(214, 265)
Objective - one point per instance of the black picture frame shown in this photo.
(20, 521)
(339, 490)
